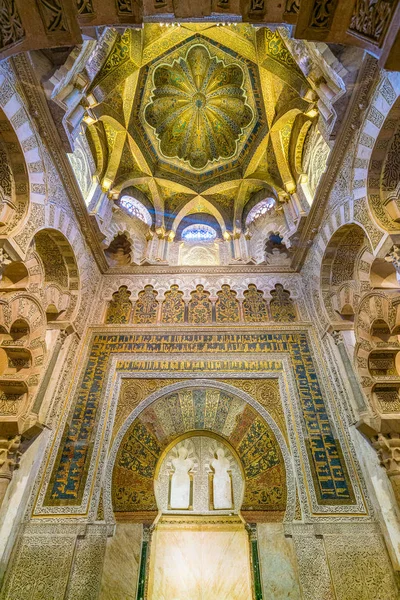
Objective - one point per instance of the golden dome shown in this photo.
(198, 108)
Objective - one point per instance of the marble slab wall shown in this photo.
(279, 572)
(200, 562)
(195, 560)
(121, 563)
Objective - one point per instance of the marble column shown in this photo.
(348, 367)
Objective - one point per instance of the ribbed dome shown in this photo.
(198, 108)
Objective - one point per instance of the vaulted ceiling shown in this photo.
(198, 113)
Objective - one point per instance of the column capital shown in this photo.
(337, 337)
(9, 455)
(387, 446)
(393, 256)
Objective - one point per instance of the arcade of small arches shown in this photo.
(200, 307)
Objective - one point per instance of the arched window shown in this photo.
(199, 233)
(136, 209)
(260, 209)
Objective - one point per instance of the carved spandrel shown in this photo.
(11, 28)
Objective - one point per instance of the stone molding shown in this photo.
(367, 76)
(38, 107)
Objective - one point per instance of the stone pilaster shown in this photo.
(348, 367)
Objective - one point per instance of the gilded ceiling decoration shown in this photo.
(198, 108)
(199, 112)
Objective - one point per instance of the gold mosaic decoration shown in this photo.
(199, 409)
(198, 108)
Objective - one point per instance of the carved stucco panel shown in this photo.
(87, 569)
(360, 567)
(41, 568)
(314, 575)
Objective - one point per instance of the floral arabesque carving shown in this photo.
(5, 177)
(146, 306)
(322, 14)
(200, 307)
(53, 15)
(255, 307)
(281, 306)
(11, 28)
(371, 19)
(173, 306)
(227, 306)
(85, 7)
(119, 309)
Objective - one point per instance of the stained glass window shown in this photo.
(199, 233)
(136, 208)
(260, 209)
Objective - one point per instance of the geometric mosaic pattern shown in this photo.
(331, 481)
(199, 410)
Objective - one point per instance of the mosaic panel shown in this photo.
(327, 464)
(255, 307)
(199, 409)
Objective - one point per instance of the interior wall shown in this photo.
(121, 563)
(200, 561)
(278, 565)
